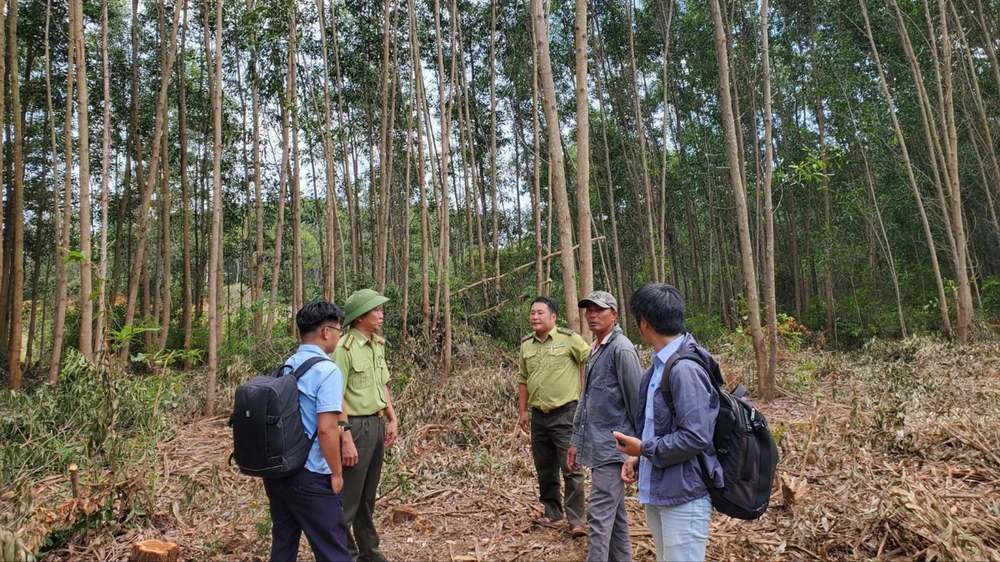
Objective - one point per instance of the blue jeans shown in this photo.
(680, 532)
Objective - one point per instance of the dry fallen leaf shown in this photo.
(793, 488)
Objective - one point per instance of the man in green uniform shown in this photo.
(368, 416)
(549, 379)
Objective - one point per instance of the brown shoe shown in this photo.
(578, 532)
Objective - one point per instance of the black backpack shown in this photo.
(269, 440)
(743, 445)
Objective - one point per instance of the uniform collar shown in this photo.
(551, 334)
(362, 339)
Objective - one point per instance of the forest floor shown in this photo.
(886, 453)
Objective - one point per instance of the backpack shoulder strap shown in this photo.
(303, 368)
(308, 364)
(668, 396)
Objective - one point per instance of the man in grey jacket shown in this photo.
(607, 404)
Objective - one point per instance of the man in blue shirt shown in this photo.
(310, 499)
(668, 459)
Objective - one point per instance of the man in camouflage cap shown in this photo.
(550, 369)
(608, 403)
(369, 418)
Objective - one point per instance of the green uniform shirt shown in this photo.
(551, 370)
(362, 361)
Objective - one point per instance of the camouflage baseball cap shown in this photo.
(602, 299)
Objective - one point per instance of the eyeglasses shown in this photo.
(341, 329)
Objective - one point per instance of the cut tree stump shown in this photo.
(155, 551)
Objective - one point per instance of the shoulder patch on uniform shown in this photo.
(566, 331)
(527, 337)
(349, 341)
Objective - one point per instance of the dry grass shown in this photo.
(887, 454)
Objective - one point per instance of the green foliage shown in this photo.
(94, 417)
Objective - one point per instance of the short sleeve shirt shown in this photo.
(551, 369)
(320, 391)
(366, 374)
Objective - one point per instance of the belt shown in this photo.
(558, 409)
(378, 414)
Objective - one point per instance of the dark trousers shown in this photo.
(301, 502)
(550, 437)
(608, 537)
(361, 487)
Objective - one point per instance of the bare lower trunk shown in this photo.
(215, 247)
(583, 161)
(558, 186)
(17, 205)
(102, 308)
(964, 292)
(739, 192)
(766, 387)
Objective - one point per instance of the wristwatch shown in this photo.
(344, 425)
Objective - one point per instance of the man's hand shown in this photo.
(348, 452)
(337, 482)
(571, 459)
(391, 432)
(632, 445)
(630, 470)
(523, 422)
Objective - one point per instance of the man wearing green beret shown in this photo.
(369, 416)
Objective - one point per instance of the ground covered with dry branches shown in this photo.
(886, 453)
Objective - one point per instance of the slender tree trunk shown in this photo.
(827, 199)
(298, 277)
(215, 248)
(83, 144)
(145, 185)
(405, 261)
(536, 205)
(17, 204)
(583, 160)
(445, 207)
(384, 156)
(62, 237)
(165, 246)
(258, 256)
(556, 165)
(668, 17)
(958, 222)
(3, 115)
(187, 312)
(332, 217)
(640, 132)
(766, 388)
(739, 191)
(282, 196)
(932, 140)
(102, 309)
(425, 305)
(609, 189)
(931, 250)
(352, 207)
(493, 147)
